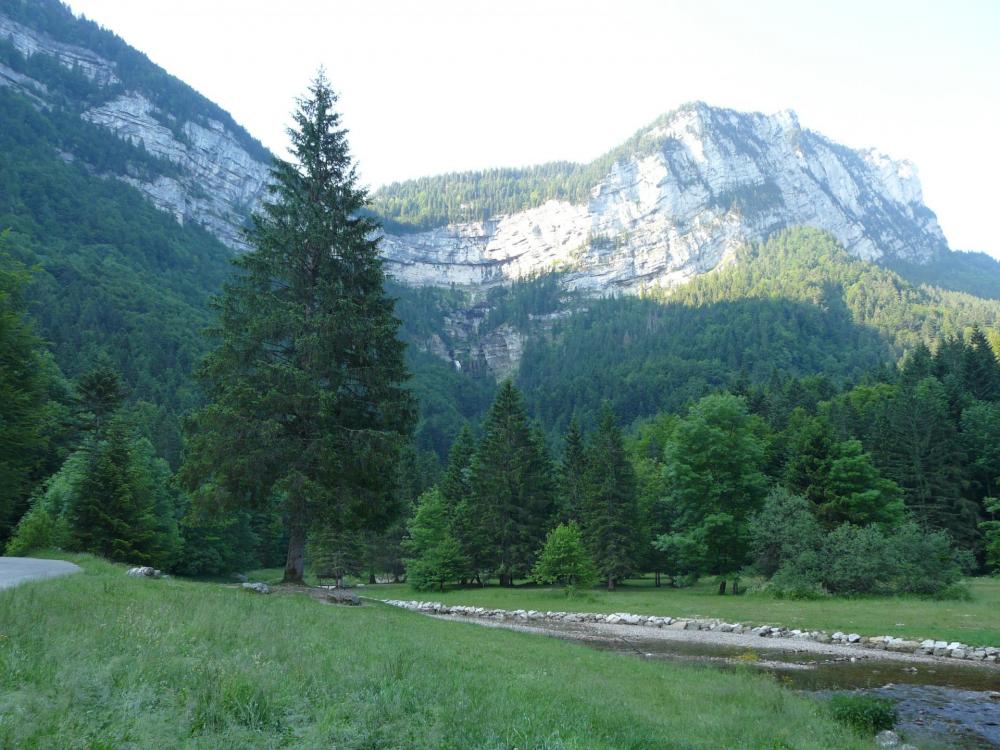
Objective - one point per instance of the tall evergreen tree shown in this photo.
(981, 369)
(513, 497)
(610, 512)
(305, 390)
(114, 514)
(924, 457)
(572, 475)
(455, 484)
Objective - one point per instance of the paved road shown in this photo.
(15, 570)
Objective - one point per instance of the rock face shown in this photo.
(676, 203)
(216, 183)
(699, 184)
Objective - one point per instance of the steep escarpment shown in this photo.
(213, 173)
(675, 202)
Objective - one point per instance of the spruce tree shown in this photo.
(455, 484)
(572, 473)
(981, 369)
(306, 402)
(513, 497)
(114, 514)
(610, 511)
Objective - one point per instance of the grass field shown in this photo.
(99, 660)
(975, 622)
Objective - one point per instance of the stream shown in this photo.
(939, 704)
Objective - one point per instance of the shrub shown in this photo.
(868, 714)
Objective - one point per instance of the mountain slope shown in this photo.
(674, 202)
(211, 171)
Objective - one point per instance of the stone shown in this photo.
(887, 738)
(853, 638)
(343, 596)
(257, 588)
(144, 571)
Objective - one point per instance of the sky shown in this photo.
(433, 86)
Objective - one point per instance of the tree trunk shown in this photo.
(657, 579)
(611, 583)
(296, 561)
(371, 579)
(722, 587)
(736, 588)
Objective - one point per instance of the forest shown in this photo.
(851, 410)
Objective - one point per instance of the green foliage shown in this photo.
(854, 560)
(115, 514)
(610, 512)
(298, 409)
(868, 714)
(783, 530)
(856, 492)
(26, 410)
(564, 559)
(513, 490)
(116, 277)
(991, 532)
(435, 554)
(713, 476)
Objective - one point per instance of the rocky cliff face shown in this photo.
(218, 182)
(702, 182)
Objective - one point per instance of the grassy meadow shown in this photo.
(99, 660)
(976, 621)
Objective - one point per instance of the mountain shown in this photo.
(676, 201)
(212, 172)
(645, 277)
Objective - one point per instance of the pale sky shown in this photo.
(432, 86)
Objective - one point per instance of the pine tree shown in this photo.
(305, 390)
(113, 516)
(100, 393)
(924, 457)
(610, 512)
(455, 484)
(513, 498)
(572, 474)
(857, 493)
(981, 369)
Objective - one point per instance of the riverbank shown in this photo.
(973, 621)
(715, 631)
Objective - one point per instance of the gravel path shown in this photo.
(17, 570)
(633, 635)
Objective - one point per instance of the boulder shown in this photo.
(343, 596)
(887, 738)
(144, 572)
(257, 587)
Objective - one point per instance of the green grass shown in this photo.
(976, 622)
(100, 660)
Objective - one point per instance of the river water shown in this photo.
(939, 704)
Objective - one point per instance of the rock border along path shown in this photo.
(926, 648)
